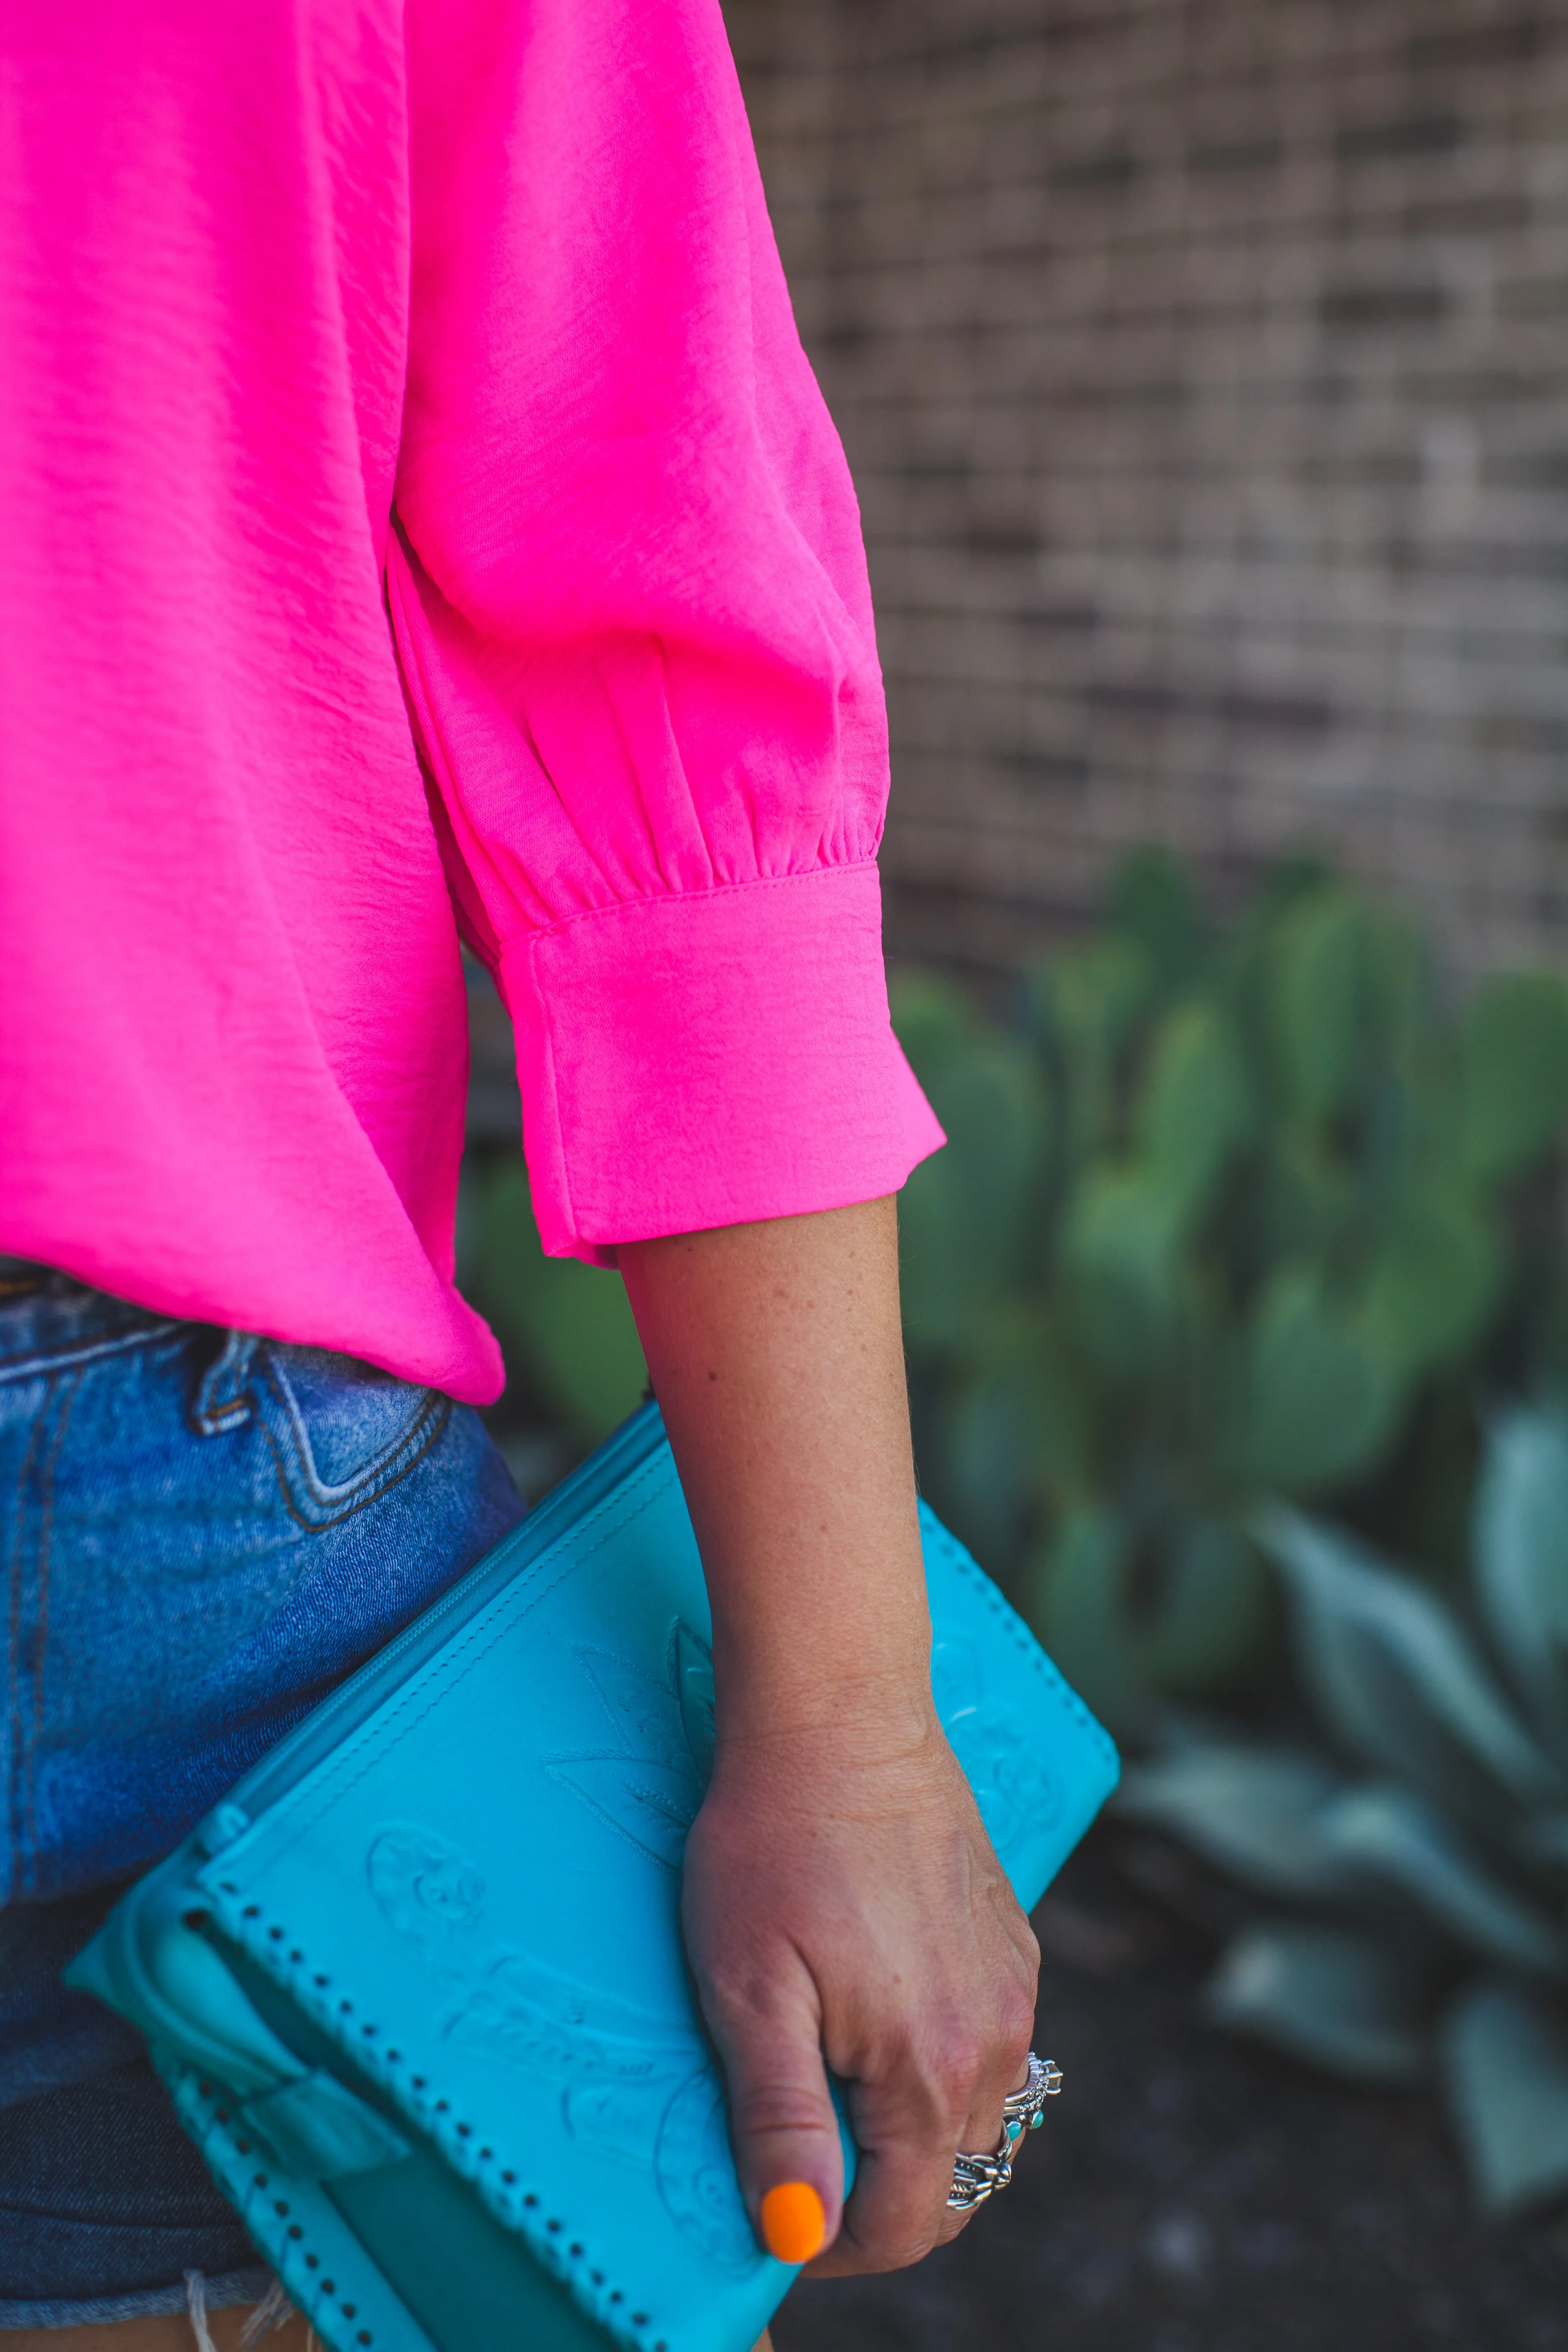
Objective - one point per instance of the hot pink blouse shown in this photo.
(391, 386)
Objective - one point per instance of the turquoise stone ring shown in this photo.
(976, 2177)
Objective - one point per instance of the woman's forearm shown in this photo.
(842, 1905)
(776, 1354)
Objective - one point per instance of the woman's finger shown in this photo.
(982, 2136)
(933, 2103)
(909, 2109)
(895, 2214)
(782, 2124)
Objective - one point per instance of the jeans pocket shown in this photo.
(341, 1431)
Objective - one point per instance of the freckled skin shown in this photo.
(840, 1893)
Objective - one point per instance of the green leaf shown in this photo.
(1389, 1836)
(1018, 1425)
(1435, 1282)
(1178, 1614)
(1088, 1002)
(1505, 2070)
(1397, 968)
(1337, 1999)
(1092, 996)
(1309, 1203)
(933, 1020)
(567, 1325)
(987, 1473)
(1314, 1403)
(1316, 1001)
(1397, 1679)
(1064, 1417)
(964, 1213)
(1152, 901)
(1209, 1608)
(1542, 1839)
(1195, 1109)
(1074, 1595)
(1121, 1247)
(1254, 1812)
(1521, 1540)
(1514, 1059)
(1126, 1227)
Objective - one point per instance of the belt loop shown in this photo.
(222, 1400)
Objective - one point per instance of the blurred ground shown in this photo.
(1190, 2195)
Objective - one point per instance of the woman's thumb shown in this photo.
(785, 2132)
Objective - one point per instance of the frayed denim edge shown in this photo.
(148, 2303)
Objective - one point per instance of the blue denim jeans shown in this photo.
(202, 1533)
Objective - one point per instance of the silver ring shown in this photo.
(976, 2177)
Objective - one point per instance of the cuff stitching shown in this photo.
(525, 941)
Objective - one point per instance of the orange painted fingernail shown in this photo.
(794, 2222)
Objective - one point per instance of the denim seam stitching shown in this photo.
(234, 2287)
(378, 1465)
(15, 1765)
(46, 1525)
(43, 1364)
(375, 1488)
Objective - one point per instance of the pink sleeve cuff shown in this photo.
(708, 1058)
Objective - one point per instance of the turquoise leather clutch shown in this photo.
(417, 1987)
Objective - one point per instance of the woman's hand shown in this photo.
(842, 1902)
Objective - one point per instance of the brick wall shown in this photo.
(1203, 367)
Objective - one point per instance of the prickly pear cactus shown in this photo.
(1222, 1213)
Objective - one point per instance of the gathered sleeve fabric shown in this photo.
(628, 593)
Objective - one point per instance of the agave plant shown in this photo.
(1413, 1869)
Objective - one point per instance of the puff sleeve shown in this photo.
(629, 599)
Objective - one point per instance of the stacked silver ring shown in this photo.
(976, 2177)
